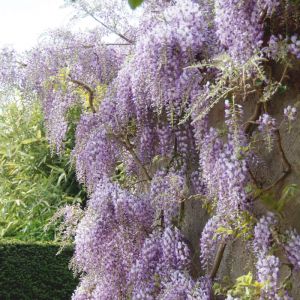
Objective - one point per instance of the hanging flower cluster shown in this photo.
(145, 111)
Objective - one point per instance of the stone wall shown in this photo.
(238, 258)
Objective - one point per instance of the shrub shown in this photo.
(32, 270)
(33, 181)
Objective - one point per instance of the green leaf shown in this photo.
(135, 3)
(29, 141)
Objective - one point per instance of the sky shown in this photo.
(23, 21)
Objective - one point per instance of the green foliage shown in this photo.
(33, 182)
(235, 80)
(239, 227)
(246, 288)
(135, 3)
(34, 271)
(268, 198)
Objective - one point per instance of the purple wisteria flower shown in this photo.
(292, 248)
(290, 113)
(294, 47)
(239, 28)
(268, 275)
(267, 127)
(263, 235)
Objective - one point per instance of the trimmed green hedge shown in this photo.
(34, 271)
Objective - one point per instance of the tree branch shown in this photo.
(218, 260)
(88, 89)
(286, 169)
(113, 30)
(287, 166)
(250, 126)
(124, 141)
(129, 148)
(253, 177)
(162, 219)
(117, 44)
(181, 213)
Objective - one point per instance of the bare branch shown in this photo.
(181, 213)
(129, 148)
(124, 141)
(117, 44)
(218, 260)
(287, 168)
(113, 30)
(250, 124)
(88, 89)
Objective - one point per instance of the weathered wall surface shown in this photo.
(238, 258)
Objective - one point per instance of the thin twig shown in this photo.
(196, 197)
(136, 182)
(283, 75)
(113, 30)
(252, 176)
(254, 117)
(117, 44)
(162, 219)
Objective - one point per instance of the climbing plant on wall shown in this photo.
(146, 143)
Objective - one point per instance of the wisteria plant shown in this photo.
(147, 143)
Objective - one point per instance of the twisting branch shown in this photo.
(129, 148)
(287, 166)
(250, 124)
(253, 177)
(218, 260)
(88, 89)
(162, 219)
(181, 213)
(124, 141)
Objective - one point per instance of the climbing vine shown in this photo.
(147, 143)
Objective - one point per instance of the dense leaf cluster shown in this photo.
(34, 271)
(34, 182)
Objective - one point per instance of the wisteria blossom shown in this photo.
(160, 129)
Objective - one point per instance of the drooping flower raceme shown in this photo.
(292, 248)
(263, 235)
(162, 255)
(267, 127)
(290, 113)
(239, 27)
(268, 274)
(143, 107)
(167, 192)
